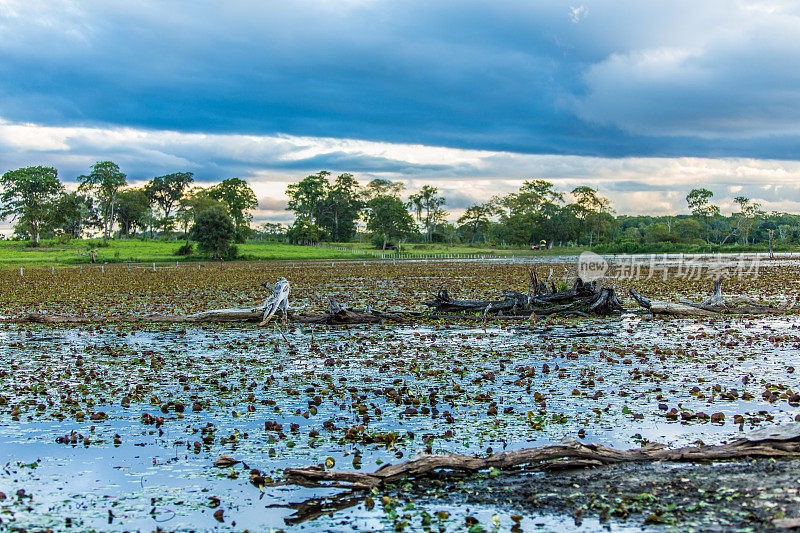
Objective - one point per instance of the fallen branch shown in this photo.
(779, 441)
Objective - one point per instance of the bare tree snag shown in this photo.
(279, 300)
(779, 441)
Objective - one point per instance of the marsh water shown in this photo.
(118, 427)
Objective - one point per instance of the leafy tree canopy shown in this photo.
(28, 196)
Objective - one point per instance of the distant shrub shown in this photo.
(214, 232)
(186, 249)
(377, 242)
(231, 253)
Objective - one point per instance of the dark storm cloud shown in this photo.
(594, 78)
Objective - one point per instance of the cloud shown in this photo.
(635, 185)
(665, 78)
(577, 13)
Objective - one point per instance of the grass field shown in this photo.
(50, 252)
(14, 253)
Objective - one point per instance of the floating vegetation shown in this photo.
(130, 426)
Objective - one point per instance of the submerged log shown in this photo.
(783, 441)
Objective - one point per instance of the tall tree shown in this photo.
(388, 217)
(166, 190)
(214, 231)
(382, 187)
(306, 198)
(104, 181)
(476, 218)
(195, 201)
(749, 213)
(341, 208)
(239, 199)
(72, 213)
(699, 204)
(427, 205)
(532, 214)
(132, 206)
(591, 208)
(29, 195)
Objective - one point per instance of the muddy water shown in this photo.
(611, 382)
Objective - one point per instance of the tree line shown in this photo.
(330, 208)
(36, 201)
(538, 215)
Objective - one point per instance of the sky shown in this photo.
(642, 100)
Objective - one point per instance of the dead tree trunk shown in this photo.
(279, 300)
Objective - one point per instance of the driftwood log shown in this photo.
(778, 442)
(714, 305)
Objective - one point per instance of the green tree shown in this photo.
(306, 198)
(427, 205)
(476, 218)
(341, 208)
(166, 190)
(590, 208)
(388, 217)
(305, 232)
(659, 232)
(239, 199)
(29, 195)
(533, 214)
(72, 212)
(132, 206)
(382, 187)
(749, 213)
(688, 230)
(214, 231)
(273, 230)
(191, 204)
(700, 206)
(104, 181)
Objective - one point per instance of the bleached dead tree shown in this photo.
(278, 300)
